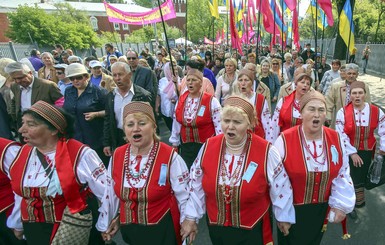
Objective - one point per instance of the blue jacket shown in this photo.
(91, 100)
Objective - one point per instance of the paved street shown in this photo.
(367, 229)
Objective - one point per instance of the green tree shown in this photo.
(67, 26)
(200, 21)
(147, 33)
(147, 3)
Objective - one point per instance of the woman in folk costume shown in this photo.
(237, 177)
(41, 177)
(261, 105)
(197, 118)
(8, 151)
(147, 187)
(287, 113)
(356, 123)
(318, 167)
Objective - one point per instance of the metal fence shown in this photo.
(376, 58)
(17, 51)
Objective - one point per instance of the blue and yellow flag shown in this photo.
(213, 5)
(314, 10)
(347, 26)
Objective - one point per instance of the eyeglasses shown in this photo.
(96, 67)
(131, 58)
(275, 64)
(76, 78)
(59, 73)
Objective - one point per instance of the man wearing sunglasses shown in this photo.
(142, 76)
(63, 82)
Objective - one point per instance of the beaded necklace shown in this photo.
(227, 189)
(137, 177)
(313, 155)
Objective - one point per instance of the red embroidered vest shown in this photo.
(249, 201)
(286, 119)
(6, 193)
(258, 103)
(36, 206)
(310, 187)
(201, 127)
(149, 205)
(362, 138)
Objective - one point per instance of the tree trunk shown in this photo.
(379, 21)
(340, 47)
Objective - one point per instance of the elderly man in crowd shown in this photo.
(124, 92)
(99, 78)
(142, 76)
(339, 94)
(28, 89)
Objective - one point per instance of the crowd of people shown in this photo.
(280, 137)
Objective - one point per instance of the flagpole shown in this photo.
(282, 37)
(258, 30)
(315, 41)
(275, 39)
(227, 33)
(168, 46)
(323, 35)
(350, 33)
(213, 35)
(185, 40)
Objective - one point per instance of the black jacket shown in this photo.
(113, 135)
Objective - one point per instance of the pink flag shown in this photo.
(291, 4)
(268, 17)
(295, 29)
(326, 6)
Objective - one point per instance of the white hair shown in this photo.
(16, 67)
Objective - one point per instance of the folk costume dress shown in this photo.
(356, 128)
(239, 190)
(320, 177)
(196, 120)
(286, 115)
(41, 195)
(7, 197)
(261, 105)
(148, 193)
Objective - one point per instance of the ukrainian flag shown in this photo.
(321, 17)
(346, 25)
(213, 5)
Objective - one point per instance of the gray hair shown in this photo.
(17, 67)
(352, 66)
(288, 55)
(28, 63)
(251, 65)
(48, 54)
(121, 64)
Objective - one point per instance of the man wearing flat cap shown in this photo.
(28, 89)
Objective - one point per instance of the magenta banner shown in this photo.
(153, 16)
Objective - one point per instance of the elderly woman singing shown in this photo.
(318, 167)
(237, 177)
(147, 186)
(51, 175)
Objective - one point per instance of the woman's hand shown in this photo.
(90, 115)
(189, 229)
(18, 234)
(274, 99)
(112, 229)
(284, 227)
(338, 215)
(357, 161)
